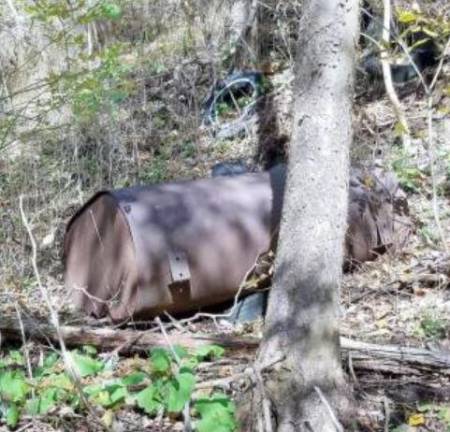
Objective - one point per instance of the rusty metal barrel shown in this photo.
(179, 246)
(172, 247)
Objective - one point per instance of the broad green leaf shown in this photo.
(180, 351)
(185, 369)
(89, 349)
(32, 406)
(148, 400)
(111, 10)
(209, 351)
(16, 357)
(202, 405)
(160, 360)
(217, 414)
(86, 365)
(93, 389)
(133, 379)
(190, 362)
(47, 400)
(444, 415)
(46, 369)
(12, 415)
(103, 398)
(13, 386)
(118, 395)
(75, 401)
(61, 381)
(212, 424)
(107, 395)
(179, 391)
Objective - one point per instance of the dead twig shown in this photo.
(387, 414)
(215, 317)
(265, 402)
(223, 382)
(54, 319)
(24, 344)
(387, 76)
(331, 413)
(24, 427)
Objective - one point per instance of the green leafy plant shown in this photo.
(173, 386)
(87, 365)
(107, 395)
(96, 90)
(164, 385)
(409, 175)
(217, 414)
(110, 10)
(13, 392)
(436, 28)
(207, 352)
(428, 235)
(156, 171)
(13, 385)
(436, 410)
(434, 327)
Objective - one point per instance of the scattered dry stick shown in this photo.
(24, 344)
(365, 356)
(387, 76)
(54, 319)
(224, 383)
(266, 404)
(331, 413)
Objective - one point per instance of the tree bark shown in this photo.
(243, 27)
(302, 318)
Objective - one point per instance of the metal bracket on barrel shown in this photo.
(180, 287)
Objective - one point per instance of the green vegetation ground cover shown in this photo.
(163, 384)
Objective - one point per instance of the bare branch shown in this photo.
(387, 75)
(54, 319)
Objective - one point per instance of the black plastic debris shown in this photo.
(232, 102)
(405, 69)
(249, 308)
(423, 51)
(229, 169)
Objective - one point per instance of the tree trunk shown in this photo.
(302, 317)
(243, 28)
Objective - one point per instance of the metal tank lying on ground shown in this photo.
(178, 247)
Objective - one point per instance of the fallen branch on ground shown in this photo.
(364, 356)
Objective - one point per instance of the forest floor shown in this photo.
(402, 298)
